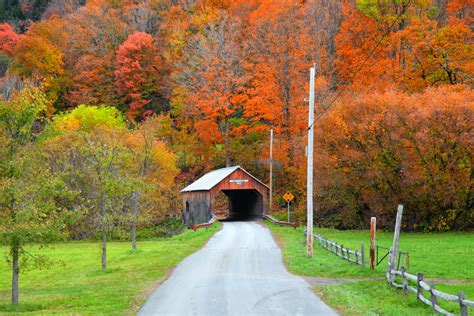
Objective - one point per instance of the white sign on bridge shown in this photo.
(238, 181)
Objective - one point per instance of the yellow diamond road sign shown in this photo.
(288, 197)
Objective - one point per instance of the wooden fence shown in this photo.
(354, 256)
(205, 225)
(277, 222)
(421, 286)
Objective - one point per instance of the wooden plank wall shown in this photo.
(196, 207)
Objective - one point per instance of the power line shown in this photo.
(372, 52)
(359, 69)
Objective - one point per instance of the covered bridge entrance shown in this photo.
(247, 196)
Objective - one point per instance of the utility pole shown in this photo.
(309, 178)
(271, 171)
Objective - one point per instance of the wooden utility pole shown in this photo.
(271, 171)
(396, 238)
(309, 179)
(373, 227)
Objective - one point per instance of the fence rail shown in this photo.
(205, 225)
(355, 256)
(434, 294)
(277, 222)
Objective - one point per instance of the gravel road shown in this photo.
(239, 272)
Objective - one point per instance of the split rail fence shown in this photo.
(355, 256)
(434, 294)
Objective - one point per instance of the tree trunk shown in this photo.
(15, 271)
(134, 220)
(104, 250)
(134, 236)
(228, 162)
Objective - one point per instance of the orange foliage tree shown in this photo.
(462, 11)
(138, 73)
(215, 79)
(8, 39)
(431, 55)
(39, 54)
(95, 31)
(358, 53)
(179, 26)
(279, 53)
(155, 165)
(414, 51)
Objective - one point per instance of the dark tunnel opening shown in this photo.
(244, 205)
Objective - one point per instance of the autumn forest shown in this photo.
(110, 107)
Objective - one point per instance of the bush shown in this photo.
(167, 228)
(392, 148)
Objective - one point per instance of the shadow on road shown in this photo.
(241, 218)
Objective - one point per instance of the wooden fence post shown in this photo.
(404, 281)
(433, 296)
(336, 249)
(419, 289)
(362, 254)
(463, 308)
(396, 237)
(373, 227)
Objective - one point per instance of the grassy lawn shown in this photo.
(78, 285)
(437, 255)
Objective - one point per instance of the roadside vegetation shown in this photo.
(446, 256)
(75, 283)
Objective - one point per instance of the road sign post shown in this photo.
(288, 197)
(288, 206)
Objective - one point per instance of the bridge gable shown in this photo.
(246, 194)
(240, 180)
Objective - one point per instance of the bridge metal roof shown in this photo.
(212, 178)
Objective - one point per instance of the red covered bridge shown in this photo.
(247, 196)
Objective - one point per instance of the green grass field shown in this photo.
(437, 255)
(77, 284)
